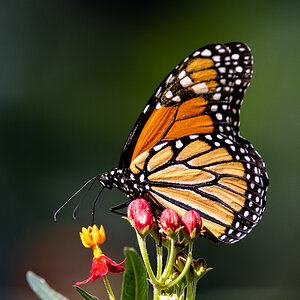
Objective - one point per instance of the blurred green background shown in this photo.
(74, 76)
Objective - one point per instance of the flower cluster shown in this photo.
(181, 272)
(177, 277)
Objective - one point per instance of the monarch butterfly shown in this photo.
(185, 151)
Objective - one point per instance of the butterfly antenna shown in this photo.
(94, 205)
(80, 201)
(56, 213)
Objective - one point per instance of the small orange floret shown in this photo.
(92, 236)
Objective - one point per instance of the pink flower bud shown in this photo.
(143, 222)
(169, 221)
(136, 206)
(192, 223)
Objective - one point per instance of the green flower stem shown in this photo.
(170, 261)
(180, 293)
(194, 289)
(108, 288)
(181, 297)
(189, 291)
(143, 249)
(159, 251)
(156, 293)
(185, 269)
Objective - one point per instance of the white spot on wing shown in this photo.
(239, 69)
(176, 99)
(158, 105)
(214, 108)
(216, 96)
(216, 58)
(169, 94)
(186, 81)
(146, 108)
(206, 52)
(181, 75)
(200, 88)
(178, 144)
(158, 92)
(159, 146)
(219, 116)
(170, 79)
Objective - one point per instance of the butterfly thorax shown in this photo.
(124, 180)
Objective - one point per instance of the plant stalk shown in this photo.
(170, 261)
(185, 269)
(108, 288)
(159, 251)
(143, 249)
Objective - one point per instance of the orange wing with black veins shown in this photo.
(202, 94)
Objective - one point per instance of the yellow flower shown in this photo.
(92, 236)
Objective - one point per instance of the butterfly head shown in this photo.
(106, 180)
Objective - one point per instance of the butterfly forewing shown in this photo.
(201, 95)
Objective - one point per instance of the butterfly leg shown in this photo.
(118, 207)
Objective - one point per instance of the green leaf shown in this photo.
(41, 288)
(135, 284)
(84, 294)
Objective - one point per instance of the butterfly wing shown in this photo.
(186, 148)
(222, 179)
(202, 94)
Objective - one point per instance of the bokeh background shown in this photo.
(74, 76)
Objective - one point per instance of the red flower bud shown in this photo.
(143, 222)
(169, 221)
(192, 223)
(136, 206)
